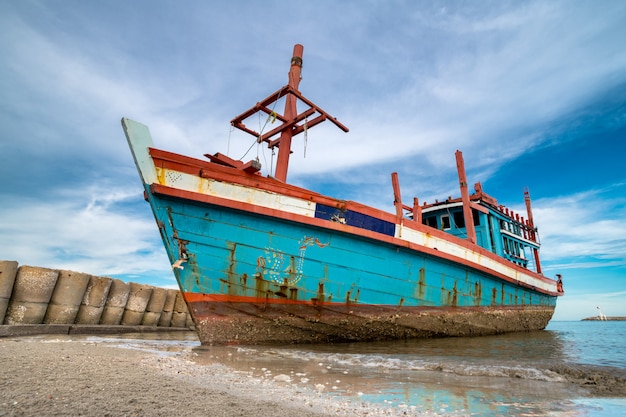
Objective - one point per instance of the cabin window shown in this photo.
(430, 221)
(459, 219)
(445, 222)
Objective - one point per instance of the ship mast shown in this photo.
(467, 210)
(292, 122)
(531, 223)
(284, 144)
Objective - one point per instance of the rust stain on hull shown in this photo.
(421, 284)
(478, 293)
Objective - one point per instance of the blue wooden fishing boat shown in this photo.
(261, 261)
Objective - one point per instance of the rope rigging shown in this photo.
(271, 118)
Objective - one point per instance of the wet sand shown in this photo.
(67, 377)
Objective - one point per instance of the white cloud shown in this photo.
(84, 230)
(487, 76)
(584, 230)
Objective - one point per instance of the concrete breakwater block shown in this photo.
(136, 304)
(179, 315)
(91, 307)
(115, 303)
(8, 270)
(32, 291)
(35, 296)
(155, 307)
(165, 319)
(66, 297)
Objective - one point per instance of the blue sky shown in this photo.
(532, 92)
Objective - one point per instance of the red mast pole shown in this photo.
(467, 210)
(289, 120)
(291, 111)
(531, 222)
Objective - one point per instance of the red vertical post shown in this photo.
(291, 111)
(529, 210)
(467, 210)
(397, 198)
(417, 211)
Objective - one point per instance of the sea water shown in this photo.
(569, 369)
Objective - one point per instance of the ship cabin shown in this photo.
(497, 229)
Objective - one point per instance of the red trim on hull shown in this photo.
(197, 298)
(192, 297)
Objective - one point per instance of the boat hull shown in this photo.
(260, 261)
(250, 278)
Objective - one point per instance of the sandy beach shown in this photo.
(54, 376)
